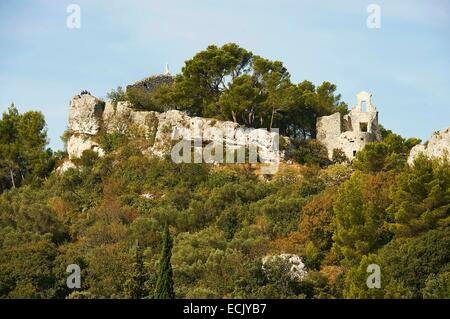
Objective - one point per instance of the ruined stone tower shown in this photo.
(350, 132)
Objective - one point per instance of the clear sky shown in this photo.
(405, 64)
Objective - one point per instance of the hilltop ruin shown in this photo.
(351, 132)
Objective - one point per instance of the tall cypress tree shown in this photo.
(164, 284)
(135, 285)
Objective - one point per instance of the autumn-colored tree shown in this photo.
(313, 239)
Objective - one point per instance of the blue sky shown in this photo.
(405, 64)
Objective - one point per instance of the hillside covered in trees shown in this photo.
(144, 227)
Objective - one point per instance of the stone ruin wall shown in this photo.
(88, 115)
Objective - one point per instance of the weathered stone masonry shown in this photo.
(351, 132)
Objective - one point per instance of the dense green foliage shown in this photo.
(135, 286)
(23, 156)
(231, 83)
(223, 221)
(390, 154)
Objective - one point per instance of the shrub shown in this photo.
(309, 152)
(339, 156)
(116, 95)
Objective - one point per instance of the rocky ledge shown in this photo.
(88, 116)
(437, 146)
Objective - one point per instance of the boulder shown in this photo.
(297, 269)
(85, 114)
(65, 166)
(89, 114)
(78, 143)
(437, 146)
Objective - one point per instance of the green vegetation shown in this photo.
(390, 154)
(231, 83)
(145, 227)
(164, 285)
(23, 156)
(223, 221)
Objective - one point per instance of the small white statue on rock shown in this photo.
(166, 69)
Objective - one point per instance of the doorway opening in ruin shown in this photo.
(363, 127)
(354, 153)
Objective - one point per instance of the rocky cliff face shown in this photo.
(437, 146)
(85, 120)
(88, 115)
(351, 132)
(85, 114)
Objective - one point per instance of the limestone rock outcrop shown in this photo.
(437, 146)
(78, 143)
(351, 132)
(85, 114)
(85, 120)
(88, 115)
(297, 269)
(65, 166)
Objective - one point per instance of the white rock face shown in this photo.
(148, 196)
(78, 143)
(297, 269)
(64, 167)
(173, 125)
(85, 114)
(437, 146)
(162, 130)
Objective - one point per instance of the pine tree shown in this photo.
(164, 284)
(23, 153)
(135, 285)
